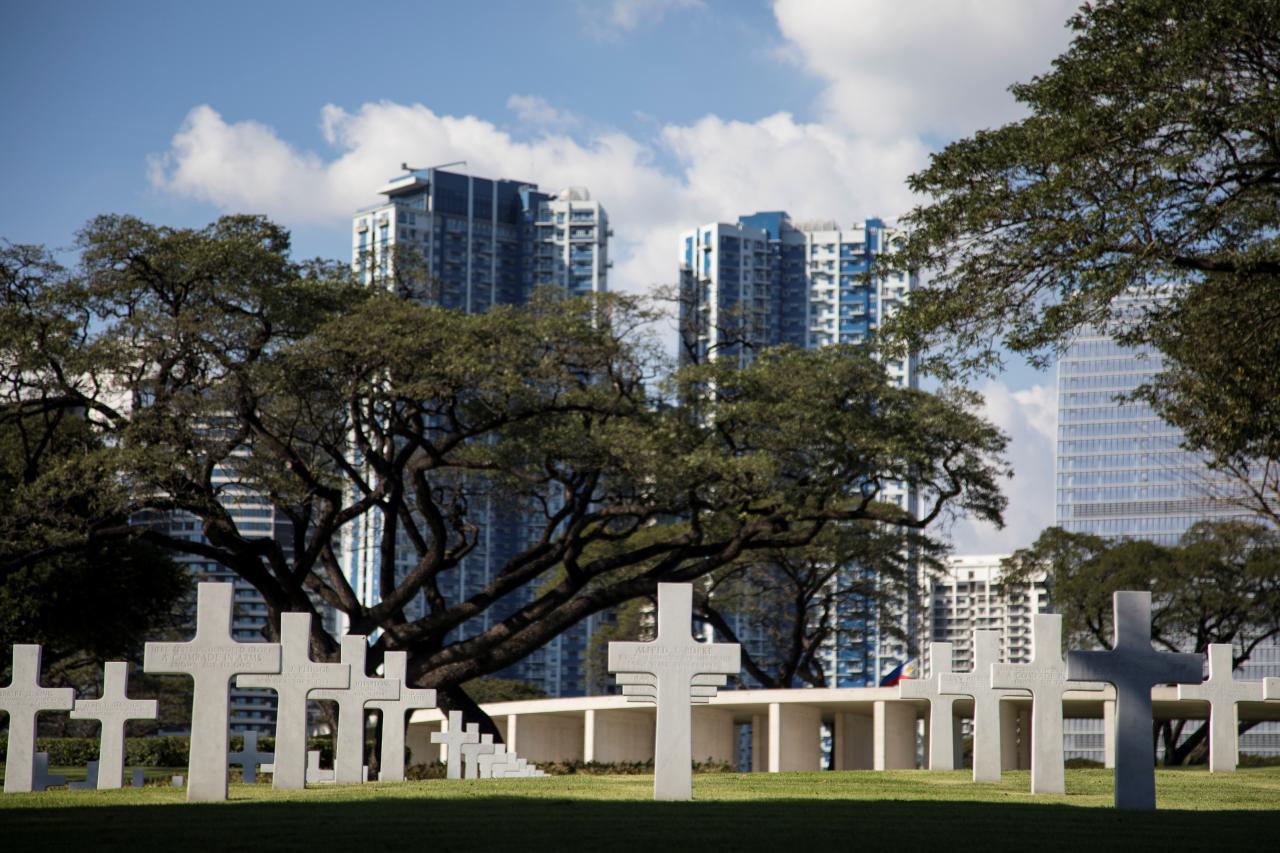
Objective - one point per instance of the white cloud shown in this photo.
(1029, 417)
(534, 111)
(610, 20)
(922, 67)
(722, 169)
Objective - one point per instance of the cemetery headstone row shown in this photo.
(212, 659)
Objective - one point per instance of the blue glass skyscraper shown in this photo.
(766, 280)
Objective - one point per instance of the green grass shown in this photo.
(782, 812)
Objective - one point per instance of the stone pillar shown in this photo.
(509, 733)
(1109, 734)
(894, 739)
(851, 746)
(588, 736)
(775, 737)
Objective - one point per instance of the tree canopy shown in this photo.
(1220, 584)
(84, 599)
(1140, 196)
(209, 362)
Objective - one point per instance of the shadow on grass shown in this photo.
(498, 823)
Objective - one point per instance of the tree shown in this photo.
(84, 600)
(1141, 197)
(787, 607)
(210, 351)
(1220, 584)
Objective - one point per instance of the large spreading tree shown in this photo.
(1139, 196)
(209, 363)
(83, 598)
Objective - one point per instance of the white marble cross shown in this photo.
(314, 774)
(298, 676)
(487, 761)
(90, 781)
(1046, 677)
(453, 739)
(471, 753)
(674, 659)
(42, 778)
(113, 710)
(942, 732)
(1134, 667)
(250, 757)
(23, 699)
(1222, 692)
(986, 703)
(212, 659)
(395, 667)
(348, 758)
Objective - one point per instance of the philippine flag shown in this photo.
(906, 669)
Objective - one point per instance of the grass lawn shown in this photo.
(903, 810)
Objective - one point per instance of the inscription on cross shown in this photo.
(471, 753)
(1134, 667)
(395, 667)
(113, 710)
(1222, 692)
(453, 739)
(674, 660)
(299, 675)
(23, 699)
(348, 757)
(942, 745)
(986, 703)
(1046, 677)
(212, 659)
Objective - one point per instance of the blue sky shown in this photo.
(673, 113)
(97, 88)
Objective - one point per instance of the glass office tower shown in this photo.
(1122, 474)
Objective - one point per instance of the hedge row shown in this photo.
(144, 751)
